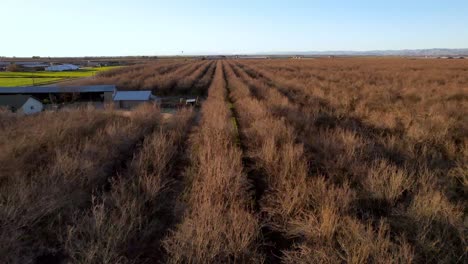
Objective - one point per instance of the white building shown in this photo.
(62, 67)
(24, 104)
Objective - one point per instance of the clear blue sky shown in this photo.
(153, 27)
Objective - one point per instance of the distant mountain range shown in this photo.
(406, 52)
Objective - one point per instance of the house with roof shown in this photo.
(19, 103)
(131, 99)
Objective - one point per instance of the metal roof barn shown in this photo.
(132, 96)
(131, 99)
(63, 67)
(35, 65)
(30, 63)
(66, 89)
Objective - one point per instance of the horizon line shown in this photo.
(262, 53)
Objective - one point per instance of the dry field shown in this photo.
(346, 160)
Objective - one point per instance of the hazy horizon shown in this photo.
(140, 27)
(260, 53)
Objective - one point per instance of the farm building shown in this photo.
(130, 99)
(62, 67)
(18, 103)
(95, 64)
(3, 65)
(54, 94)
(25, 66)
(34, 66)
(101, 63)
(191, 101)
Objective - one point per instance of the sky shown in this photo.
(152, 27)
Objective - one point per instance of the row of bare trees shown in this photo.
(126, 224)
(387, 186)
(219, 225)
(170, 77)
(182, 81)
(304, 161)
(51, 166)
(132, 77)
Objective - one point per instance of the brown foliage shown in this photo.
(171, 77)
(120, 223)
(374, 131)
(218, 226)
(348, 160)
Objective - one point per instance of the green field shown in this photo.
(12, 79)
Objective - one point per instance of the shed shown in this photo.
(25, 104)
(130, 99)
